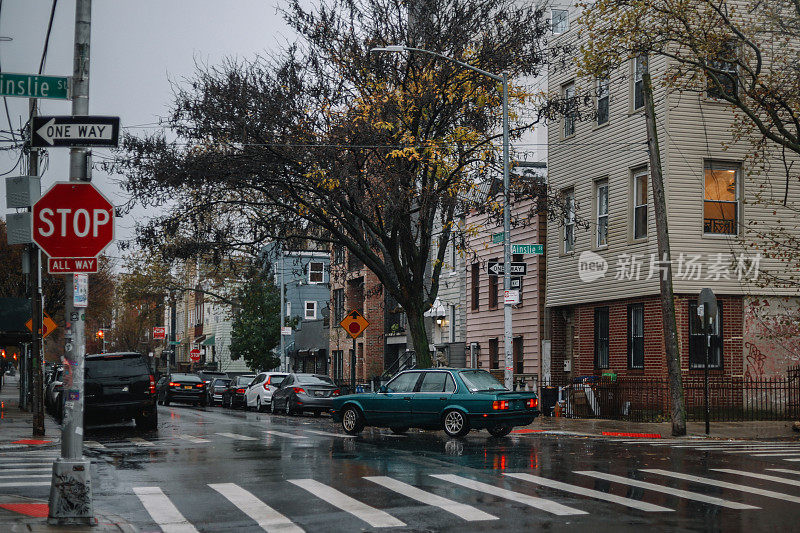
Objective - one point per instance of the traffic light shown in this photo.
(15, 356)
(100, 333)
(3, 353)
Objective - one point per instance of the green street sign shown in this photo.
(33, 86)
(529, 249)
(497, 238)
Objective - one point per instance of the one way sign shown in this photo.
(496, 268)
(74, 131)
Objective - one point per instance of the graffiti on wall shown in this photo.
(771, 336)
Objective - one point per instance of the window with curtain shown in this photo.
(602, 101)
(640, 205)
(602, 213)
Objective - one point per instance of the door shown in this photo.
(393, 407)
(251, 393)
(430, 400)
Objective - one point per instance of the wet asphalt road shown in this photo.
(213, 469)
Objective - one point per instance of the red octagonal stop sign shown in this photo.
(73, 219)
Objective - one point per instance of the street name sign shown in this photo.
(74, 131)
(72, 223)
(497, 238)
(528, 249)
(159, 332)
(496, 268)
(34, 86)
(354, 323)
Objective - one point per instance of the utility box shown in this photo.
(18, 226)
(22, 191)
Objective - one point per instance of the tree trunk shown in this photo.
(672, 350)
(419, 336)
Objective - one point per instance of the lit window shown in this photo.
(568, 92)
(602, 101)
(316, 272)
(559, 19)
(639, 68)
(311, 310)
(640, 205)
(569, 221)
(602, 213)
(721, 202)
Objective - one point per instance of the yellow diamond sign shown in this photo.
(354, 323)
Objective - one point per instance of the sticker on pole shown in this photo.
(354, 323)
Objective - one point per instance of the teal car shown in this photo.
(455, 400)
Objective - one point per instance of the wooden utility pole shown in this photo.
(672, 350)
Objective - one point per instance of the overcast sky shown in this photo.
(137, 47)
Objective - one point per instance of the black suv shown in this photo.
(120, 386)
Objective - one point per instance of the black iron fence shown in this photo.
(648, 400)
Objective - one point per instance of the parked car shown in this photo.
(455, 400)
(120, 386)
(183, 388)
(52, 391)
(215, 390)
(259, 394)
(233, 396)
(209, 375)
(304, 392)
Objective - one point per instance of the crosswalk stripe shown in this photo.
(55, 453)
(372, 516)
(93, 444)
(138, 441)
(26, 484)
(666, 490)
(329, 434)
(268, 518)
(38, 458)
(192, 438)
(532, 501)
(783, 454)
(628, 502)
(461, 510)
(8, 470)
(38, 463)
(163, 511)
(766, 477)
(282, 434)
(236, 436)
(724, 485)
(27, 476)
(785, 471)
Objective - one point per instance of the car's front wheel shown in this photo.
(500, 430)
(352, 421)
(259, 405)
(455, 423)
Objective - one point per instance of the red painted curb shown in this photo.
(31, 441)
(632, 435)
(38, 510)
(529, 430)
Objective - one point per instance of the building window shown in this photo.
(601, 337)
(494, 293)
(721, 203)
(640, 205)
(338, 305)
(560, 20)
(636, 336)
(338, 254)
(476, 288)
(697, 339)
(602, 101)
(602, 213)
(724, 74)
(493, 353)
(517, 349)
(288, 308)
(310, 310)
(569, 221)
(639, 68)
(316, 272)
(570, 107)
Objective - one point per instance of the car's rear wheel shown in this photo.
(500, 430)
(455, 423)
(166, 399)
(259, 405)
(398, 430)
(352, 421)
(148, 422)
(288, 408)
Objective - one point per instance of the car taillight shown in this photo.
(200, 385)
(533, 403)
(240, 391)
(266, 385)
(336, 393)
(171, 384)
(152, 384)
(499, 405)
(298, 390)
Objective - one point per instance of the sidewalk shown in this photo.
(719, 430)
(21, 514)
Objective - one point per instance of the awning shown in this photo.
(437, 309)
(209, 341)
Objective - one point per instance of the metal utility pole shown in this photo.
(71, 487)
(36, 308)
(283, 314)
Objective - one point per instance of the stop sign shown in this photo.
(73, 219)
(194, 355)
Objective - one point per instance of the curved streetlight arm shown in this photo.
(399, 48)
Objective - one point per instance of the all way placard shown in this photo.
(69, 265)
(74, 131)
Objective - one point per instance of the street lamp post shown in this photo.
(507, 322)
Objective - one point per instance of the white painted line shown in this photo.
(628, 502)
(26, 484)
(268, 518)
(329, 434)
(38, 463)
(93, 444)
(138, 441)
(767, 477)
(461, 510)
(725, 485)
(38, 458)
(8, 470)
(792, 460)
(236, 436)
(54, 453)
(192, 438)
(785, 471)
(27, 476)
(163, 511)
(282, 434)
(784, 454)
(710, 446)
(763, 450)
(666, 490)
(532, 501)
(362, 511)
